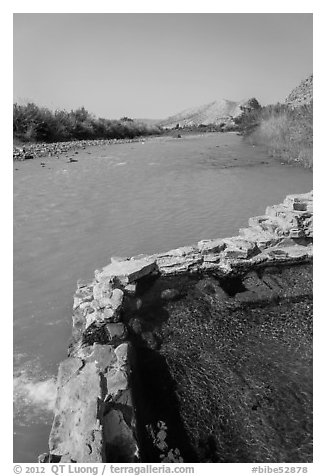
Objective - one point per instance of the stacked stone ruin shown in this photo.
(95, 418)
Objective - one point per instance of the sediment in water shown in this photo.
(202, 353)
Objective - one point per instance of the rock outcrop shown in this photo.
(302, 94)
(221, 112)
(95, 417)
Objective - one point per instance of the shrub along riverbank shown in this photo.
(38, 124)
(286, 132)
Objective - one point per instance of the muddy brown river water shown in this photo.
(124, 199)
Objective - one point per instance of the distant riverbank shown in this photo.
(33, 150)
(40, 125)
(55, 149)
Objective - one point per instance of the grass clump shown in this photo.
(286, 132)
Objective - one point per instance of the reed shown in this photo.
(286, 133)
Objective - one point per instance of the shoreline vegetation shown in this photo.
(286, 132)
(38, 124)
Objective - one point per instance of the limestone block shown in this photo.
(279, 226)
(128, 271)
(77, 302)
(117, 380)
(211, 258)
(84, 293)
(103, 356)
(307, 226)
(259, 258)
(302, 202)
(120, 442)
(76, 430)
(238, 247)
(209, 266)
(118, 259)
(122, 353)
(109, 312)
(67, 369)
(66, 459)
(116, 299)
(276, 210)
(211, 246)
(84, 290)
(177, 264)
(95, 317)
(124, 398)
(117, 332)
(262, 238)
(292, 253)
(298, 251)
(296, 233)
(102, 292)
(78, 320)
(257, 221)
(277, 253)
(130, 289)
(182, 251)
(44, 458)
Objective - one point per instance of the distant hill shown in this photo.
(302, 94)
(216, 112)
(148, 122)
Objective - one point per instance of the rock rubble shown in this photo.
(32, 151)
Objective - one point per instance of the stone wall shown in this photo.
(95, 417)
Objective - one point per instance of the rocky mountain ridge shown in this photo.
(216, 112)
(301, 94)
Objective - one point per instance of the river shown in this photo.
(117, 200)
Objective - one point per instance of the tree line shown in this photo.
(32, 123)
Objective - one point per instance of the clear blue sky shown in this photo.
(155, 65)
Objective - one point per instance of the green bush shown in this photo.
(34, 124)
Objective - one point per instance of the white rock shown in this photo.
(117, 380)
(211, 246)
(128, 271)
(116, 299)
(122, 353)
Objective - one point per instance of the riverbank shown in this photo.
(293, 147)
(55, 149)
(32, 123)
(127, 325)
(286, 133)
